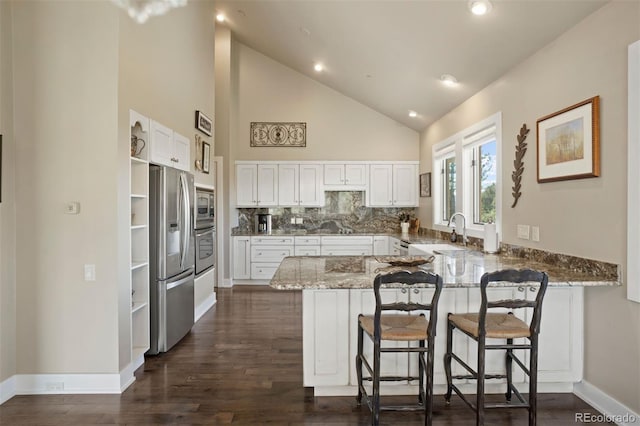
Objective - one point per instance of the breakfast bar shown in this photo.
(338, 288)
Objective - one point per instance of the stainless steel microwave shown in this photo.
(205, 216)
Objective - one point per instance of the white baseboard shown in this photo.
(203, 307)
(126, 375)
(226, 283)
(7, 389)
(41, 384)
(613, 410)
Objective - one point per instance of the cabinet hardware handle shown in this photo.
(416, 291)
(404, 290)
(532, 289)
(520, 289)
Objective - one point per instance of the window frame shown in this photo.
(462, 145)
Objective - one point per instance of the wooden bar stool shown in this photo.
(482, 326)
(399, 327)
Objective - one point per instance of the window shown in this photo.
(467, 176)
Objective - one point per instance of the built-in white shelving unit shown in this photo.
(139, 207)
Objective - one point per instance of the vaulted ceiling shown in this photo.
(390, 55)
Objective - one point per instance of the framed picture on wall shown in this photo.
(425, 184)
(205, 157)
(204, 123)
(569, 142)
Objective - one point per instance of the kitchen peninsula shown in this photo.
(338, 288)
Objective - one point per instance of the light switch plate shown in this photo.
(535, 233)
(298, 221)
(72, 207)
(90, 272)
(523, 232)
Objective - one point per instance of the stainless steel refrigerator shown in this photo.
(171, 247)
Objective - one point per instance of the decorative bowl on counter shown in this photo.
(405, 260)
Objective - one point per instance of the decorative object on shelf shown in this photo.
(569, 142)
(137, 145)
(518, 164)
(203, 123)
(198, 162)
(425, 184)
(205, 157)
(141, 10)
(278, 134)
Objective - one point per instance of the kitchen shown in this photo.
(524, 94)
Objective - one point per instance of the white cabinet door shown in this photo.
(405, 185)
(288, 185)
(311, 193)
(267, 185)
(380, 245)
(391, 364)
(394, 246)
(355, 174)
(307, 251)
(451, 300)
(241, 258)
(325, 341)
(334, 174)
(246, 185)
(161, 144)
(560, 344)
(181, 152)
(380, 192)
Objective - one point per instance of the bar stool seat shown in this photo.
(397, 327)
(498, 326)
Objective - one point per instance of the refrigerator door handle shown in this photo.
(185, 228)
(186, 279)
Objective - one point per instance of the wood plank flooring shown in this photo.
(242, 365)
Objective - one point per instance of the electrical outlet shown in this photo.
(535, 233)
(298, 221)
(54, 386)
(72, 207)
(523, 232)
(293, 220)
(90, 272)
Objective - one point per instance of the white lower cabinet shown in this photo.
(380, 245)
(352, 245)
(266, 255)
(325, 349)
(242, 258)
(330, 324)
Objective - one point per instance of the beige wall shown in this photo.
(338, 128)
(7, 206)
(166, 72)
(586, 217)
(65, 82)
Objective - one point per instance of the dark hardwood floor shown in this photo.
(242, 364)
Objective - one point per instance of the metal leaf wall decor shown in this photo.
(278, 134)
(518, 164)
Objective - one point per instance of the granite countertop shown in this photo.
(460, 268)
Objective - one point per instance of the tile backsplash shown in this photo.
(343, 212)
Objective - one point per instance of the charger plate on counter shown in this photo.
(404, 260)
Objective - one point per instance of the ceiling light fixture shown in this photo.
(141, 10)
(220, 17)
(413, 114)
(448, 80)
(318, 67)
(479, 7)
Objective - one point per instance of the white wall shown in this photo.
(166, 72)
(338, 128)
(7, 206)
(587, 217)
(65, 83)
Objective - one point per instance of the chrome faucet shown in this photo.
(464, 226)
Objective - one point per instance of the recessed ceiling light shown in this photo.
(220, 17)
(318, 67)
(448, 80)
(413, 114)
(479, 7)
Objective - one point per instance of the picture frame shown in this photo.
(568, 143)
(204, 123)
(206, 159)
(425, 184)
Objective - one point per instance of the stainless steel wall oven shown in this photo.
(205, 230)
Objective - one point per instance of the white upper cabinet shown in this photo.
(393, 185)
(338, 176)
(288, 185)
(256, 185)
(168, 148)
(300, 185)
